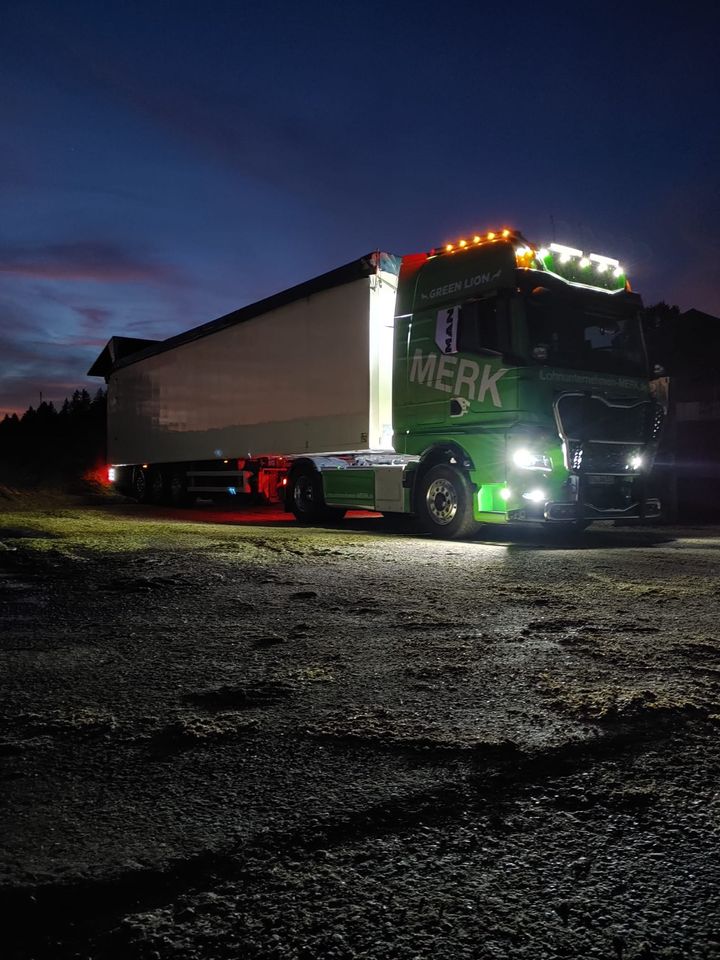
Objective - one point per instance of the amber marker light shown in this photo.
(491, 236)
(506, 233)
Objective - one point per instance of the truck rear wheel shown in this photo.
(306, 498)
(444, 503)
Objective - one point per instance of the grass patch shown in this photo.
(51, 523)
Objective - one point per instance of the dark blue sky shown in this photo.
(162, 163)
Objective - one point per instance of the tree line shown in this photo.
(49, 445)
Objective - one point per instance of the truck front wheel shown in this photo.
(444, 503)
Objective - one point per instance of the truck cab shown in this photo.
(521, 386)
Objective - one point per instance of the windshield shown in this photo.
(581, 330)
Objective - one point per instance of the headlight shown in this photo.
(535, 496)
(531, 460)
(635, 462)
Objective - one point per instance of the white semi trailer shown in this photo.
(223, 409)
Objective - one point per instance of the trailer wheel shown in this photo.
(444, 503)
(178, 491)
(140, 485)
(157, 487)
(306, 498)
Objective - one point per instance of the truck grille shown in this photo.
(602, 436)
(584, 417)
(600, 457)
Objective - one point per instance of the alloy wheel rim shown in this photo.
(442, 501)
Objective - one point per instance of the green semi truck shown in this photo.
(486, 381)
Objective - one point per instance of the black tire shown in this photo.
(157, 487)
(141, 485)
(443, 502)
(306, 498)
(178, 495)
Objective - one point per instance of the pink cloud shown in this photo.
(100, 262)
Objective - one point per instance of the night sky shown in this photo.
(163, 163)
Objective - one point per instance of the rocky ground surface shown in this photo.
(224, 736)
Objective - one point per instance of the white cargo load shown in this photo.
(306, 371)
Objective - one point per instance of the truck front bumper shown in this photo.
(554, 511)
(642, 510)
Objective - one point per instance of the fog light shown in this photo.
(535, 496)
(505, 493)
(636, 462)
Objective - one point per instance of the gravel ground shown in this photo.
(227, 736)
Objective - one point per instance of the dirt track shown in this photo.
(245, 739)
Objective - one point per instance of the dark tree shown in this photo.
(45, 446)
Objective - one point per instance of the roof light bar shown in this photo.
(573, 266)
(608, 261)
(565, 251)
(568, 261)
(491, 236)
